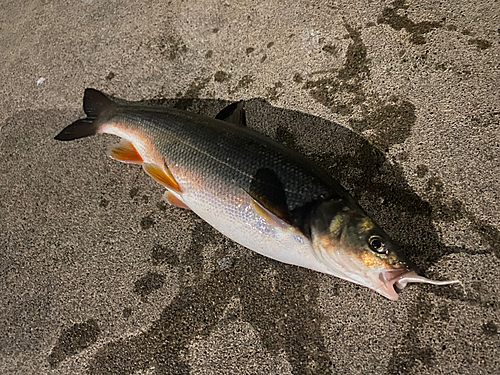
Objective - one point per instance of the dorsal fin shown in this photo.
(95, 102)
(233, 113)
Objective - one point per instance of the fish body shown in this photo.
(252, 189)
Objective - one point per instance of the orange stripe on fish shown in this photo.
(152, 161)
(138, 139)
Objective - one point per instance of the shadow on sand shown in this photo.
(377, 183)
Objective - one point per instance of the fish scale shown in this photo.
(252, 189)
(231, 152)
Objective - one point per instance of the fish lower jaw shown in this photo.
(344, 266)
(339, 265)
(388, 286)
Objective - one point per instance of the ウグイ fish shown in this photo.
(252, 189)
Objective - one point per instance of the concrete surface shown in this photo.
(398, 99)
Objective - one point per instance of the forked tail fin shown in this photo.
(94, 104)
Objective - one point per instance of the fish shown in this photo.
(252, 189)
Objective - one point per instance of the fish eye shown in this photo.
(376, 244)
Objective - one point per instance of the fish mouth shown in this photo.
(395, 280)
(387, 282)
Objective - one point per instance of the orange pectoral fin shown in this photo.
(163, 176)
(169, 197)
(125, 152)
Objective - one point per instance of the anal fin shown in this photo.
(126, 153)
(170, 198)
(162, 175)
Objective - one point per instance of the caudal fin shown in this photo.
(94, 103)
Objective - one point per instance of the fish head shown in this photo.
(353, 247)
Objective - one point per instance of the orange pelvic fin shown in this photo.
(163, 176)
(170, 198)
(125, 152)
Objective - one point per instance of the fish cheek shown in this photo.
(327, 244)
(371, 260)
